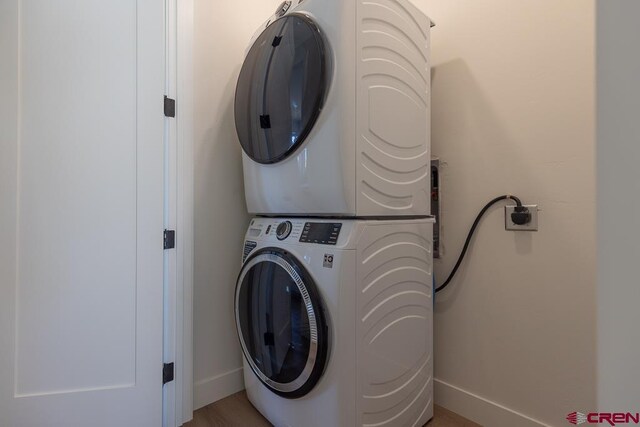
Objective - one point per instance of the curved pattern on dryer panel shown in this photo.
(393, 108)
(394, 326)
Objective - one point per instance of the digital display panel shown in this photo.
(322, 233)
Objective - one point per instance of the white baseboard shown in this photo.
(462, 402)
(479, 409)
(215, 388)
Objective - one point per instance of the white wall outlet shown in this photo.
(531, 226)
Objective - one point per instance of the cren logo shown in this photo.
(577, 418)
(610, 418)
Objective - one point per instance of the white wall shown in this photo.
(513, 112)
(222, 32)
(618, 208)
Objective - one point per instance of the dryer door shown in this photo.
(280, 322)
(281, 88)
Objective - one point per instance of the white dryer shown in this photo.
(332, 110)
(335, 321)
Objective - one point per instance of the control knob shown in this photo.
(283, 230)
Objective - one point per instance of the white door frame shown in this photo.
(180, 186)
(185, 139)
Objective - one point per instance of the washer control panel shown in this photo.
(322, 233)
(281, 230)
(295, 230)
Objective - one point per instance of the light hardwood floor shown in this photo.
(236, 411)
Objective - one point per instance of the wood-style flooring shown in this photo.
(237, 411)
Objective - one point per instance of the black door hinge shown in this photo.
(169, 239)
(169, 107)
(167, 373)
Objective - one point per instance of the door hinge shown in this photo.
(167, 373)
(169, 239)
(169, 107)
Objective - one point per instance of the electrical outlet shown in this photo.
(531, 226)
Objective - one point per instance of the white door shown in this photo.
(81, 212)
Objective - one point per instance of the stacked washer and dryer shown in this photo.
(334, 300)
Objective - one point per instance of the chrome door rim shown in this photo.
(313, 327)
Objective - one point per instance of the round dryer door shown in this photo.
(281, 323)
(281, 88)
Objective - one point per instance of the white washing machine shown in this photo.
(332, 110)
(335, 320)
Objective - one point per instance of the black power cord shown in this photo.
(521, 216)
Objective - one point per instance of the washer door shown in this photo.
(281, 323)
(281, 88)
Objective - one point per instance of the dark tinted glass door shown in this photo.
(281, 88)
(281, 323)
